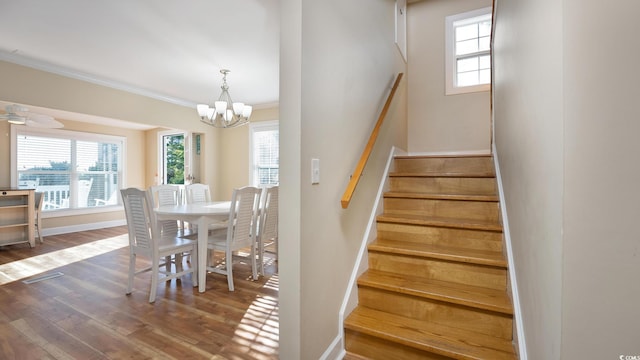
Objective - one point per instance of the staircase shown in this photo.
(436, 287)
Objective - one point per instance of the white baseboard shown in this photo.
(82, 227)
(336, 348)
(452, 153)
(517, 310)
(335, 351)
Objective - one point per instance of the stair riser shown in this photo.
(472, 210)
(462, 317)
(443, 185)
(462, 273)
(379, 349)
(449, 165)
(471, 239)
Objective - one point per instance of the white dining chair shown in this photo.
(268, 224)
(197, 193)
(146, 239)
(162, 195)
(200, 193)
(166, 194)
(240, 233)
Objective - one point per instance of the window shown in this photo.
(468, 63)
(265, 155)
(74, 170)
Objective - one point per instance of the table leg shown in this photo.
(203, 237)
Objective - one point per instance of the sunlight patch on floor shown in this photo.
(273, 283)
(258, 331)
(31, 266)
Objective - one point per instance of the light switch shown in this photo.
(315, 171)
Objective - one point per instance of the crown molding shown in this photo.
(78, 75)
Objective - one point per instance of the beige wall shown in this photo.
(151, 156)
(440, 123)
(337, 64)
(38, 88)
(601, 270)
(528, 134)
(289, 261)
(566, 125)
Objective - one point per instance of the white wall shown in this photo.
(601, 277)
(440, 123)
(289, 225)
(337, 64)
(566, 126)
(528, 135)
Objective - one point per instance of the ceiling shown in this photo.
(167, 49)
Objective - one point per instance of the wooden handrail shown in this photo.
(357, 173)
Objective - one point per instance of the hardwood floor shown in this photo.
(85, 314)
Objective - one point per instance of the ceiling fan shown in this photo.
(18, 114)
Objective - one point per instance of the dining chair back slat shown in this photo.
(139, 221)
(198, 193)
(246, 203)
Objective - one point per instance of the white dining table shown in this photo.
(201, 214)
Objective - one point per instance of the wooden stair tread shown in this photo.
(426, 336)
(479, 174)
(450, 253)
(441, 196)
(353, 356)
(440, 222)
(467, 295)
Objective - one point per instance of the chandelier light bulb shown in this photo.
(202, 109)
(221, 107)
(237, 108)
(246, 111)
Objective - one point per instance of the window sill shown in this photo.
(467, 89)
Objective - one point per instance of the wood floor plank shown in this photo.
(85, 314)
(52, 339)
(13, 345)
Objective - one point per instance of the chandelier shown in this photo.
(225, 113)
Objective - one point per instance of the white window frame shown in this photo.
(253, 128)
(451, 59)
(401, 27)
(73, 135)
